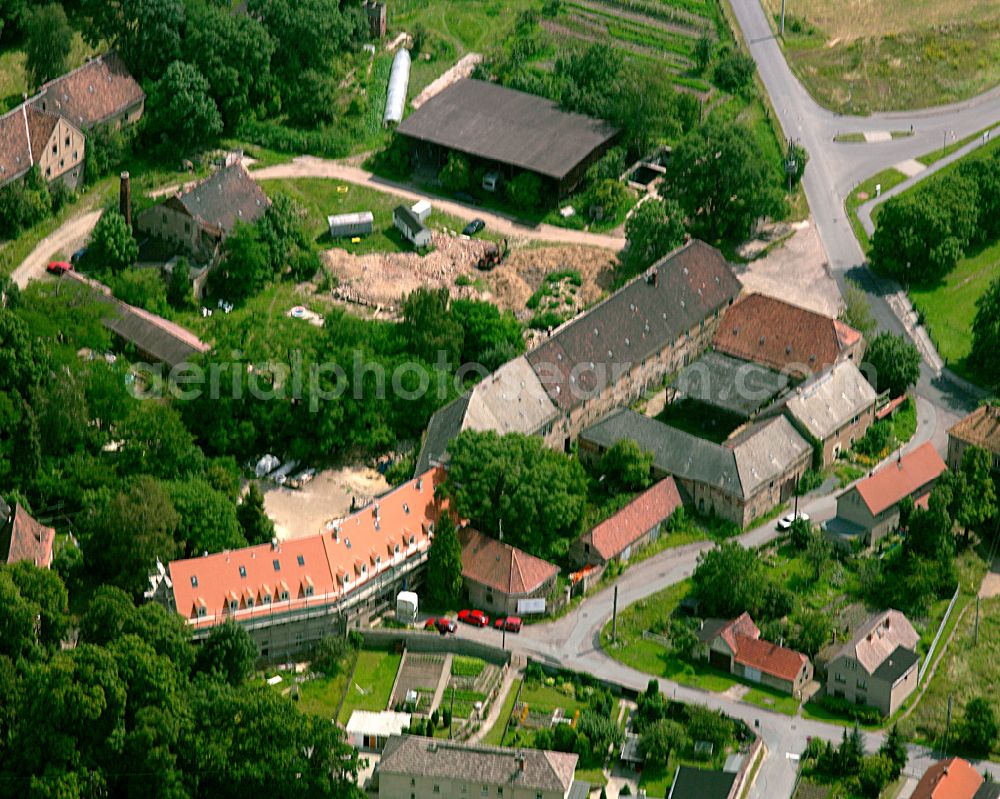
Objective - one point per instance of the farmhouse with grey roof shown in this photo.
(602, 360)
(412, 765)
(512, 129)
(834, 408)
(740, 480)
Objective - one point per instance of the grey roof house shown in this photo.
(740, 480)
(412, 229)
(416, 766)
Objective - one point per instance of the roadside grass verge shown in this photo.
(495, 736)
(864, 191)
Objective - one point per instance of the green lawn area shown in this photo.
(545, 698)
(949, 307)
(322, 198)
(371, 685)
(494, 736)
(904, 423)
(322, 696)
(940, 152)
(887, 178)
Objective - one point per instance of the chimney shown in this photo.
(519, 759)
(125, 198)
(274, 543)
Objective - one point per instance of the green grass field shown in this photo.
(14, 81)
(893, 55)
(371, 685)
(949, 308)
(495, 735)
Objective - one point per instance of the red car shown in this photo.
(474, 617)
(58, 267)
(445, 625)
(511, 624)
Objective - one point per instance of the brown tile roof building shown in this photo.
(948, 779)
(981, 428)
(501, 566)
(524, 769)
(499, 124)
(781, 335)
(900, 478)
(742, 637)
(23, 538)
(610, 538)
(15, 155)
(677, 294)
(225, 198)
(94, 93)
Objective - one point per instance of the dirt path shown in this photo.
(307, 166)
(69, 237)
(462, 69)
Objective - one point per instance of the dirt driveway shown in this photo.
(307, 166)
(68, 238)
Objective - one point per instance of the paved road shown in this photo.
(307, 166)
(68, 238)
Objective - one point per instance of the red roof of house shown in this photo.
(769, 658)
(778, 334)
(613, 535)
(330, 564)
(29, 540)
(741, 627)
(889, 407)
(501, 566)
(901, 478)
(948, 779)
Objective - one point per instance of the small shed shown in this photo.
(421, 210)
(399, 82)
(370, 730)
(359, 224)
(413, 230)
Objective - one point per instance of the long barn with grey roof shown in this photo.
(602, 360)
(740, 480)
(512, 129)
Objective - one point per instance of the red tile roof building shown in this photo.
(498, 575)
(100, 92)
(635, 524)
(736, 646)
(869, 510)
(24, 538)
(948, 779)
(350, 570)
(783, 336)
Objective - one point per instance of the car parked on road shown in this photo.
(75, 257)
(58, 267)
(474, 227)
(474, 617)
(443, 625)
(511, 624)
(785, 522)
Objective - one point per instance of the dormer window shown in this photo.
(378, 561)
(309, 590)
(284, 596)
(234, 605)
(413, 540)
(202, 610)
(267, 599)
(249, 601)
(364, 568)
(395, 549)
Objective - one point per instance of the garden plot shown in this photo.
(472, 681)
(420, 673)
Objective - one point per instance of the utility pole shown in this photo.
(782, 18)
(976, 642)
(614, 617)
(451, 714)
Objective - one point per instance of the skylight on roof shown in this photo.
(243, 571)
(277, 564)
(301, 560)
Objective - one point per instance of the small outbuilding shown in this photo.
(358, 224)
(413, 230)
(368, 730)
(421, 210)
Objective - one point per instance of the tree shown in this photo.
(312, 98)
(179, 293)
(282, 230)
(729, 580)
(722, 181)
(246, 267)
(661, 739)
(257, 526)
(709, 725)
(537, 495)
(525, 191)
(874, 774)
(444, 564)
(48, 43)
(851, 751)
(112, 246)
(154, 440)
(894, 363)
(627, 467)
(329, 655)
(974, 499)
(141, 287)
(490, 338)
(800, 533)
(45, 589)
(734, 72)
(857, 313)
(979, 729)
(812, 632)
(654, 229)
(208, 518)
(23, 360)
(146, 33)
(455, 175)
(183, 115)
(894, 748)
(817, 554)
(428, 327)
(233, 52)
(18, 636)
(229, 653)
(986, 335)
(128, 532)
(307, 34)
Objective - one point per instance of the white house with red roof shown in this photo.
(289, 594)
(735, 646)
